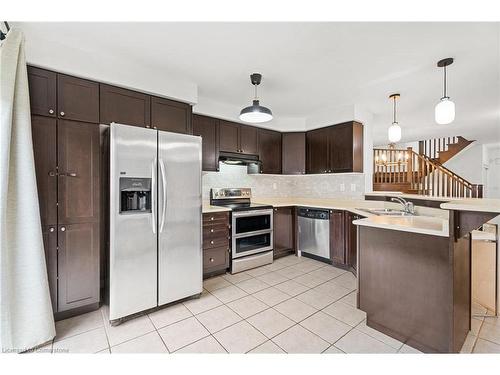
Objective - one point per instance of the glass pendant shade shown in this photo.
(445, 111)
(394, 133)
(256, 113)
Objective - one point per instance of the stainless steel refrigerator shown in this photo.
(155, 219)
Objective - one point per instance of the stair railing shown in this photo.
(420, 174)
(432, 147)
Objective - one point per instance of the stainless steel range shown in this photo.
(251, 229)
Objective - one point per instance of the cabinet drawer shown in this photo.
(210, 243)
(215, 259)
(215, 217)
(215, 231)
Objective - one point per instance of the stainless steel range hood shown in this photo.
(232, 158)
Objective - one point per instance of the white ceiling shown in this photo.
(310, 67)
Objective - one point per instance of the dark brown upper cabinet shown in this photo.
(317, 151)
(170, 116)
(293, 151)
(335, 149)
(124, 106)
(42, 88)
(249, 140)
(270, 151)
(44, 134)
(337, 235)
(77, 99)
(206, 128)
(346, 147)
(234, 137)
(78, 179)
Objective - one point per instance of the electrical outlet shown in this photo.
(353, 187)
(342, 187)
(275, 186)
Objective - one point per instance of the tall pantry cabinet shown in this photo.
(65, 131)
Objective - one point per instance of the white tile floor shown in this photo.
(295, 305)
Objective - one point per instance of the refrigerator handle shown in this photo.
(164, 196)
(153, 195)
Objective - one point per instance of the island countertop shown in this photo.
(433, 226)
(473, 204)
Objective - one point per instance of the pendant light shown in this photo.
(445, 109)
(394, 132)
(256, 113)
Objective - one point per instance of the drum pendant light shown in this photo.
(256, 113)
(394, 132)
(445, 109)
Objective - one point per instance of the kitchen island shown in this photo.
(415, 274)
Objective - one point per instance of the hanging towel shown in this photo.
(25, 307)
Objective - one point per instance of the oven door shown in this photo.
(252, 222)
(252, 232)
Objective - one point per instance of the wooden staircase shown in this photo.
(406, 171)
(440, 150)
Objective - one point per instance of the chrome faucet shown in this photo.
(408, 207)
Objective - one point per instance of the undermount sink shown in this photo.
(387, 212)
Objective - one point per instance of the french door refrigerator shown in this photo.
(155, 219)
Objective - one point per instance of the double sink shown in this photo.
(387, 212)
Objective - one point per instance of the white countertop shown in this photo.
(206, 208)
(433, 226)
(408, 196)
(473, 204)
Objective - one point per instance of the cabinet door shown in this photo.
(283, 231)
(78, 262)
(293, 153)
(317, 151)
(229, 136)
(170, 116)
(42, 88)
(206, 128)
(249, 140)
(351, 240)
(49, 233)
(124, 106)
(78, 160)
(44, 133)
(340, 149)
(77, 99)
(270, 151)
(337, 246)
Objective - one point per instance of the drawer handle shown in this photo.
(211, 259)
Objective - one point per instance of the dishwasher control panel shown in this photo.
(314, 213)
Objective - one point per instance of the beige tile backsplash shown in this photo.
(270, 186)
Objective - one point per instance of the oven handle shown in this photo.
(253, 213)
(251, 234)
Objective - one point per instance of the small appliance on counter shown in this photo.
(251, 228)
(155, 255)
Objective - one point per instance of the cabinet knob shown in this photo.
(211, 230)
(51, 229)
(211, 242)
(62, 114)
(329, 171)
(63, 229)
(147, 126)
(51, 111)
(154, 127)
(211, 217)
(211, 259)
(52, 173)
(261, 171)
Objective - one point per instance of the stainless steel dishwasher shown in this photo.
(314, 232)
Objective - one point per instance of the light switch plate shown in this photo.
(353, 187)
(342, 187)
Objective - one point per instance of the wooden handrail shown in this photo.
(432, 147)
(420, 174)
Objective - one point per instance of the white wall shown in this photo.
(468, 164)
(492, 175)
(346, 185)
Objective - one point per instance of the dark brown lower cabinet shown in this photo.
(337, 236)
(216, 243)
(283, 231)
(78, 265)
(351, 240)
(49, 233)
